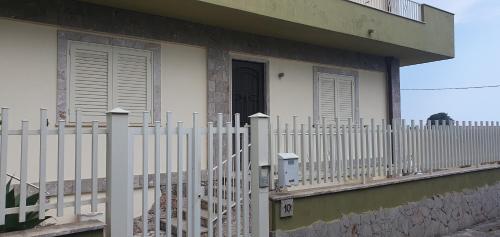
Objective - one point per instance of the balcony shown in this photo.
(404, 8)
(414, 33)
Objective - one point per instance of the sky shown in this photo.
(476, 63)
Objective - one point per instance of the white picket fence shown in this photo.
(211, 165)
(405, 8)
(44, 133)
(357, 152)
(183, 150)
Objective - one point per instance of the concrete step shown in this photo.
(163, 225)
(204, 203)
(203, 215)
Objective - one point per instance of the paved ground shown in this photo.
(486, 229)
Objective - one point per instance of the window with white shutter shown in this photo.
(344, 94)
(103, 77)
(132, 81)
(90, 80)
(326, 95)
(335, 97)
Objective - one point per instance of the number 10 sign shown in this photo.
(286, 208)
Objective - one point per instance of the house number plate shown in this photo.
(286, 208)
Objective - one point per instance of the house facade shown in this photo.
(331, 59)
(322, 58)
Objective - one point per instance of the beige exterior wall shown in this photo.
(28, 66)
(293, 94)
(31, 86)
(373, 99)
(184, 83)
(28, 62)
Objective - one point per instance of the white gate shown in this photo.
(207, 177)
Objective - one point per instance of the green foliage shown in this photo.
(439, 117)
(12, 220)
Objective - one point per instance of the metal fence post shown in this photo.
(119, 179)
(259, 135)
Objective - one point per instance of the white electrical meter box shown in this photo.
(288, 169)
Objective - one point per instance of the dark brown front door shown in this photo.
(248, 86)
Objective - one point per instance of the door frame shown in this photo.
(255, 59)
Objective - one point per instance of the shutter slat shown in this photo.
(132, 86)
(89, 72)
(129, 71)
(89, 77)
(131, 80)
(90, 61)
(95, 87)
(132, 64)
(91, 67)
(327, 98)
(345, 98)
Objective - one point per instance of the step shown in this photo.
(203, 230)
(203, 215)
(204, 208)
(204, 202)
(203, 212)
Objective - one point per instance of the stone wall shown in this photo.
(435, 216)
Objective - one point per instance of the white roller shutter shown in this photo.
(345, 98)
(335, 97)
(104, 77)
(90, 80)
(132, 81)
(326, 100)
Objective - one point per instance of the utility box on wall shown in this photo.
(288, 169)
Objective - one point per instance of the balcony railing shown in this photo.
(404, 8)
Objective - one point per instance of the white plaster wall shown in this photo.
(28, 66)
(184, 88)
(184, 83)
(293, 94)
(28, 62)
(373, 99)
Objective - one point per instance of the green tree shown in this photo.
(439, 117)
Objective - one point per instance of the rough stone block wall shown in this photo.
(435, 216)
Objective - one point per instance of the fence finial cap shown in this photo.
(259, 115)
(118, 111)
